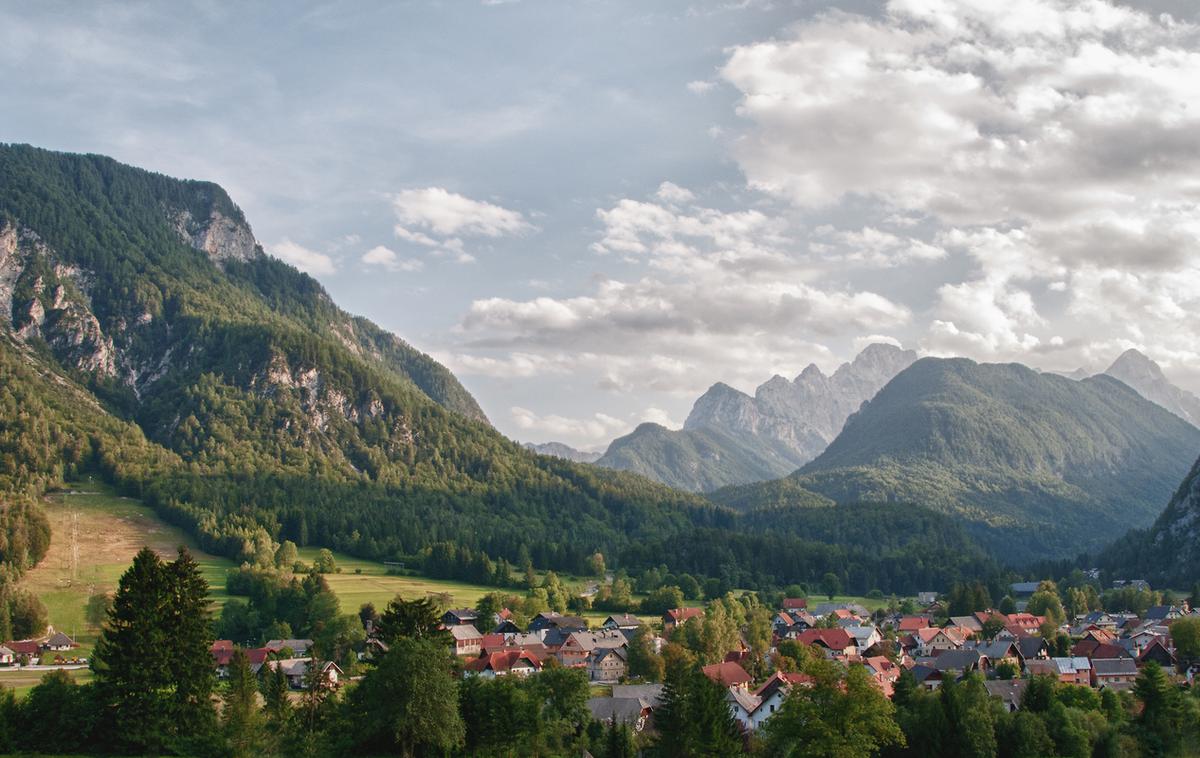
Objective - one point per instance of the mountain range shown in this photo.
(560, 450)
(732, 438)
(1035, 464)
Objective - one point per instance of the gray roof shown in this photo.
(1009, 691)
(623, 709)
(465, 632)
(1025, 588)
(651, 693)
(956, 660)
(1114, 666)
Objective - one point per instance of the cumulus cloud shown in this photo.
(303, 258)
(390, 260)
(448, 214)
(700, 86)
(1053, 143)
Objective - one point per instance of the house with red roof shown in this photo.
(728, 674)
(837, 643)
(677, 616)
(910, 624)
(513, 662)
(795, 603)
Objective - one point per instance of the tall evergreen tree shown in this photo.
(188, 623)
(131, 659)
(242, 719)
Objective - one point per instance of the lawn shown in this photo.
(95, 534)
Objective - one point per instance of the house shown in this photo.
(744, 705)
(884, 672)
(222, 653)
(1158, 652)
(461, 617)
(910, 624)
(30, 649)
(1162, 613)
(927, 676)
(1032, 648)
(728, 674)
(774, 691)
(634, 711)
(1118, 672)
(956, 661)
(1072, 670)
(467, 640)
(551, 620)
(59, 642)
(299, 648)
(676, 616)
(926, 598)
(1099, 650)
(1138, 584)
(651, 693)
(1026, 622)
(972, 622)
(607, 664)
(1023, 589)
(837, 642)
(795, 604)
(864, 636)
(7, 656)
(997, 652)
(507, 627)
(296, 669)
(578, 646)
(782, 623)
(933, 640)
(1008, 691)
(503, 663)
(624, 621)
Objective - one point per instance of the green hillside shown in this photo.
(146, 339)
(697, 460)
(1036, 465)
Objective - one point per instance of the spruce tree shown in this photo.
(132, 659)
(189, 624)
(242, 719)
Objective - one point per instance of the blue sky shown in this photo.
(593, 210)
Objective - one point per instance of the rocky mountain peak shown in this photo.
(1144, 375)
(222, 237)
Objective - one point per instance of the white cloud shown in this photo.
(390, 260)
(597, 428)
(700, 86)
(303, 258)
(449, 213)
(673, 193)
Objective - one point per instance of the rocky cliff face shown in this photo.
(44, 299)
(802, 416)
(221, 237)
(1145, 376)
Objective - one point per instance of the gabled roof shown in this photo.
(680, 615)
(619, 709)
(58, 639)
(625, 619)
(834, 639)
(651, 693)
(503, 661)
(1030, 647)
(1115, 667)
(1071, 665)
(744, 699)
(23, 647)
(957, 660)
(782, 679)
(296, 646)
(912, 623)
(728, 674)
(465, 632)
(795, 603)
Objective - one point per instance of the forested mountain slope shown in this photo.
(144, 335)
(1036, 465)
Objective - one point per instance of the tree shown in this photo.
(1008, 605)
(643, 662)
(993, 626)
(99, 605)
(487, 608)
(596, 564)
(325, 562)
(968, 707)
(409, 701)
(130, 661)
(693, 717)
(241, 718)
(831, 585)
(286, 556)
(1186, 634)
(367, 615)
(662, 600)
(841, 714)
(411, 619)
(189, 659)
(1168, 720)
(51, 706)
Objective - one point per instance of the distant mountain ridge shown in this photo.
(732, 438)
(1037, 465)
(564, 451)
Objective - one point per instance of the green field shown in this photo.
(96, 533)
(94, 536)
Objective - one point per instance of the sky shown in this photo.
(592, 211)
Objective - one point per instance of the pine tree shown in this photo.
(708, 707)
(190, 663)
(618, 741)
(131, 659)
(243, 721)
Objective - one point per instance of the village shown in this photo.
(1096, 650)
